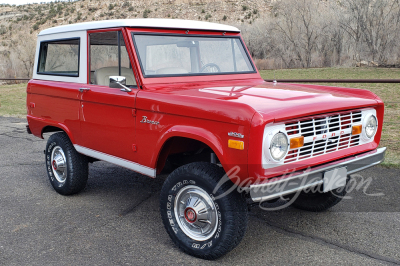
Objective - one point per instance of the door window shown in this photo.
(109, 57)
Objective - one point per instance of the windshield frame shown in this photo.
(133, 33)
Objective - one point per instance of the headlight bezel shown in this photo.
(269, 132)
(367, 121)
(287, 146)
(366, 116)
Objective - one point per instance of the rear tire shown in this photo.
(66, 168)
(197, 222)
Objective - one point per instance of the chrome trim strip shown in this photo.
(287, 192)
(368, 159)
(117, 161)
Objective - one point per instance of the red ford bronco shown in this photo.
(185, 97)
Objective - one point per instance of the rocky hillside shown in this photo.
(35, 17)
(19, 25)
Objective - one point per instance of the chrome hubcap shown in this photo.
(196, 213)
(59, 164)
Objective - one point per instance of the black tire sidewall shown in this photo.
(76, 163)
(201, 249)
(53, 142)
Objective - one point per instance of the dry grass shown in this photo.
(389, 93)
(13, 100)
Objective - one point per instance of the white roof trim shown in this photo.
(143, 23)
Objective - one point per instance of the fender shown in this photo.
(37, 125)
(191, 132)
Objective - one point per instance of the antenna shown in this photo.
(275, 78)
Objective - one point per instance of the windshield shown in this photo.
(191, 55)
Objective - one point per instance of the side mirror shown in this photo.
(118, 82)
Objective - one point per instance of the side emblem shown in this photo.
(234, 134)
(147, 121)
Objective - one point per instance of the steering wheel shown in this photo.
(210, 67)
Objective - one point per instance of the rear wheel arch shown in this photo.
(57, 128)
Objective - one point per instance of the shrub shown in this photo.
(130, 8)
(255, 11)
(35, 26)
(110, 7)
(3, 30)
(244, 8)
(224, 18)
(203, 11)
(208, 16)
(146, 13)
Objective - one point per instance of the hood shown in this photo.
(272, 101)
(286, 101)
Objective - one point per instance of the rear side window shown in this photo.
(59, 57)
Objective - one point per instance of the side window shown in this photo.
(109, 57)
(59, 57)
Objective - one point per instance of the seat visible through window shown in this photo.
(102, 75)
(108, 54)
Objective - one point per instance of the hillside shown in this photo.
(19, 25)
(40, 16)
(278, 33)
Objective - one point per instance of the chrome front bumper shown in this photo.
(312, 177)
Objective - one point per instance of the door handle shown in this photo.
(84, 89)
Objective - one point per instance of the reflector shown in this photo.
(356, 130)
(236, 144)
(296, 143)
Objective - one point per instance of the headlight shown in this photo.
(279, 146)
(371, 126)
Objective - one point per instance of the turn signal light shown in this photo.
(236, 144)
(296, 143)
(356, 130)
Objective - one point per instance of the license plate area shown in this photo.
(335, 178)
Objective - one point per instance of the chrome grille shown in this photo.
(309, 128)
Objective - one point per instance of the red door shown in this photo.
(108, 122)
(107, 114)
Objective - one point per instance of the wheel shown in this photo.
(210, 67)
(317, 201)
(198, 222)
(67, 169)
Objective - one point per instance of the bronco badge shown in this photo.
(145, 120)
(234, 134)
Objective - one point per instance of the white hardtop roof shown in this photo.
(142, 23)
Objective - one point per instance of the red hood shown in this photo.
(271, 101)
(285, 101)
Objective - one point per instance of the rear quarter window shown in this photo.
(59, 57)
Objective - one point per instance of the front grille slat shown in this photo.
(320, 126)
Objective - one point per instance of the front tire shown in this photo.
(67, 169)
(198, 222)
(317, 201)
